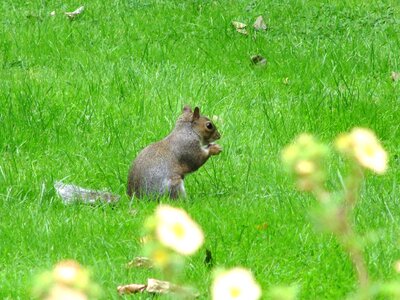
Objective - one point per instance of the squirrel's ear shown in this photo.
(186, 109)
(196, 113)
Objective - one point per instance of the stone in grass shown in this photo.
(73, 14)
(240, 27)
(71, 193)
(259, 24)
(258, 60)
(395, 76)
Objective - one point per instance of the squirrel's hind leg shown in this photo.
(176, 188)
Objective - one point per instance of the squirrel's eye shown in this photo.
(209, 125)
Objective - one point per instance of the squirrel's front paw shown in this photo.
(214, 149)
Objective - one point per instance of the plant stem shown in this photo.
(347, 235)
(349, 241)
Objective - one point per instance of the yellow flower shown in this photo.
(67, 272)
(363, 145)
(305, 158)
(290, 153)
(235, 284)
(305, 167)
(61, 292)
(161, 257)
(305, 139)
(176, 230)
(67, 281)
(397, 266)
(343, 143)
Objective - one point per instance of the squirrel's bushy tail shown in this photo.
(70, 193)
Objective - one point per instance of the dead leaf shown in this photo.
(164, 287)
(395, 76)
(140, 262)
(240, 27)
(53, 13)
(262, 227)
(131, 288)
(155, 286)
(258, 60)
(259, 24)
(242, 31)
(75, 13)
(286, 80)
(159, 286)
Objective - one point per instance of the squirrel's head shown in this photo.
(202, 125)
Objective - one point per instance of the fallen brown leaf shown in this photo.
(159, 286)
(164, 287)
(75, 13)
(395, 76)
(261, 227)
(131, 288)
(240, 27)
(140, 262)
(155, 286)
(259, 24)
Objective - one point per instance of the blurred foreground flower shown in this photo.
(237, 283)
(397, 266)
(60, 292)
(283, 292)
(177, 231)
(304, 158)
(68, 280)
(362, 145)
(69, 272)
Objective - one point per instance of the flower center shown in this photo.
(160, 257)
(370, 150)
(235, 292)
(179, 230)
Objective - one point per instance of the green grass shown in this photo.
(78, 101)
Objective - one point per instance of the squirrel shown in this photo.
(160, 168)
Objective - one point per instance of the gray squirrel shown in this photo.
(160, 168)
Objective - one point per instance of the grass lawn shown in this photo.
(79, 99)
